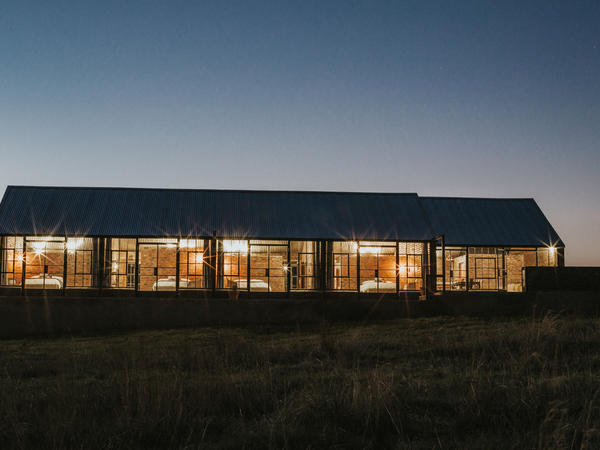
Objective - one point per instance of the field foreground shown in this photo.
(407, 383)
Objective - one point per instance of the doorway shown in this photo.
(268, 267)
(157, 266)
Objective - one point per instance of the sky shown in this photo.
(475, 98)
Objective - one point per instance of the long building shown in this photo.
(124, 240)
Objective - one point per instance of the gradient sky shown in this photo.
(478, 98)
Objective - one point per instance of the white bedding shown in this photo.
(378, 285)
(168, 284)
(37, 282)
(255, 285)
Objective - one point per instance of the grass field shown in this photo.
(409, 383)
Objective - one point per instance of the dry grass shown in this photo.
(421, 383)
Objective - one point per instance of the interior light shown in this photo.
(285, 267)
(552, 249)
(235, 246)
(74, 244)
(199, 258)
(370, 250)
(20, 258)
(115, 267)
(38, 247)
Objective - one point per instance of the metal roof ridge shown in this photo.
(266, 191)
(440, 197)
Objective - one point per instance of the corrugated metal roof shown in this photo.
(494, 222)
(29, 210)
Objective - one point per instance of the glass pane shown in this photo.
(268, 268)
(44, 261)
(122, 263)
(11, 261)
(410, 266)
(80, 268)
(546, 257)
(515, 261)
(193, 263)
(148, 267)
(377, 267)
(456, 268)
(303, 265)
(342, 267)
(483, 270)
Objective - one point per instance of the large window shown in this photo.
(304, 267)
(410, 265)
(342, 265)
(157, 261)
(193, 263)
(515, 260)
(489, 268)
(547, 257)
(44, 262)
(11, 262)
(439, 268)
(485, 268)
(81, 265)
(268, 266)
(377, 266)
(122, 263)
(233, 264)
(456, 268)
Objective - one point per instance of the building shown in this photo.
(110, 240)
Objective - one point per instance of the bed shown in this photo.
(378, 285)
(168, 284)
(255, 285)
(38, 282)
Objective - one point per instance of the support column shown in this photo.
(443, 263)
(64, 287)
(432, 266)
(289, 269)
(248, 263)
(560, 257)
(397, 268)
(424, 270)
(2, 255)
(177, 266)
(326, 265)
(467, 279)
(99, 244)
(137, 266)
(214, 249)
(24, 266)
(207, 264)
(357, 267)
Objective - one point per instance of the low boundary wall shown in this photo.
(562, 279)
(38, 315)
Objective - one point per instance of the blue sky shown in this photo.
(477, 98)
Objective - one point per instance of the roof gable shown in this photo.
(490, 222)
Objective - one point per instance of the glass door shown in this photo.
(157, 266)
(377, 267)
(148, 267)
(44, 263)
(501, 269)
(456, 269)
(268, 267)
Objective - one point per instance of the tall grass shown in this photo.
(421, 383)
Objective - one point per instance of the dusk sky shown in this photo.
(498, 99)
